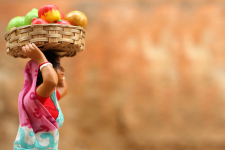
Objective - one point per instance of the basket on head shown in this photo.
(65, 40)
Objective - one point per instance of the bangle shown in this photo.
(42, 66)
(43, 63)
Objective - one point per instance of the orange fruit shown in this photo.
(77, 18)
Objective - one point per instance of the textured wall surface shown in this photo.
(152, 76)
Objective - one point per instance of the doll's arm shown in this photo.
(50, 78)
(62, 88)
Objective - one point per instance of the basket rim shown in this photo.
(44, 25)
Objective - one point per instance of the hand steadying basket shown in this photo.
(65, 40)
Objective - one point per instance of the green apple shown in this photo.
(35, 9)
(15, 22)
(30, 15)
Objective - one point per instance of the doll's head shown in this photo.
(55, 61)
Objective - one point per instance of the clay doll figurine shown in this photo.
(39, 113)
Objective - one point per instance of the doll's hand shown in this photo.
(34, 53)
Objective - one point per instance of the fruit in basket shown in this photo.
(50, 13)
(38, 21)
(77, 18)
(30, 15)
(65, 22)
(62, 15)
(15, 22)
(35, 9)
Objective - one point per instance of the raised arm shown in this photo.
(49, 75)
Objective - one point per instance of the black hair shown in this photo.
(53, 58)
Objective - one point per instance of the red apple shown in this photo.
(38, 21)
(50, 13)
(62, 15)
(64, 22)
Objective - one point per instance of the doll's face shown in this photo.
(60, 72)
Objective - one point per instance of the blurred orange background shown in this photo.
(152, 76)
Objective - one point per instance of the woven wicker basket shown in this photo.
(65, 40)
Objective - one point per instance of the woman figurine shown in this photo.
(40, 116)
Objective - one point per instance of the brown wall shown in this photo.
(152, 76)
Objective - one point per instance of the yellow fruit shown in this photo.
(77, 18)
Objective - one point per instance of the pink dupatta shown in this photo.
(38, 129)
